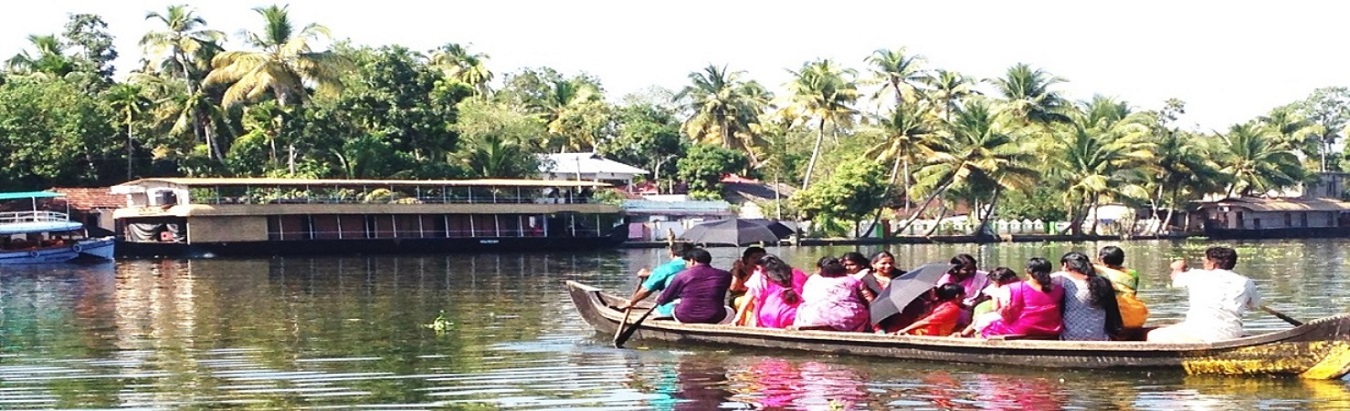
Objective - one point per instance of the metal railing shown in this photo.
(15, 217)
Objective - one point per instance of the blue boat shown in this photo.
(30, 234)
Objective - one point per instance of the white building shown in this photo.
(587, 167)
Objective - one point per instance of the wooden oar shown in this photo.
(1282, 316)
(627, 312)
(623, 336)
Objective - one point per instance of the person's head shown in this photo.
(949, 292)
(1039, 269)
(751, 255)
(779, 272)
(831, 267)
(679, 249)
(1003, 276)
(698, 256)
(854, 262)
(1076, 262)
(883, 262)
(963, 265)
(1112, 256)
(1221, 257)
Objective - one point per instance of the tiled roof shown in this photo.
(92, 198)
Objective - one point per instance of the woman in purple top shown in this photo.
(971, 279)
(1033, 305)
(832, 300)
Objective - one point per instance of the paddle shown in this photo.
(622, 337)
(1282, 316)
(627, 312)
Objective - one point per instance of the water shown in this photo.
(334, 332)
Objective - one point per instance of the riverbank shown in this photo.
(944, 239)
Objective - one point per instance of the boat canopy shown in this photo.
(29, 194)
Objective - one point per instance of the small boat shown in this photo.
(1319, 349)
(38, 236)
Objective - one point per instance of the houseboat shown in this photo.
(1253, 218)
(31, 233)
(205, 217)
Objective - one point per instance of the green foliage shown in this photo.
(702, 169)
(87, 38)
(647, 137)
(52, 133)
(1040, 202)
(852, 192)
(496, 140)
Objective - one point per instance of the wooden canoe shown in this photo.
(1319, 349)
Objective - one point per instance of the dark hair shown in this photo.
(680, 248)
(1099, 291)
(830, 267)
(964, 260)
(1112, 256)
(856, 258)
(1002, 275)
(698, 255)
(1039, 268)
(949, 291)
(751, 251)
(780, 273)
(878, 256)
(1223, 257)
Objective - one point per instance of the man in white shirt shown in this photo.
(1218, 299)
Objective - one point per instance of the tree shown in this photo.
(54, 134)
(898, 73)
(947, 89)
(1102, 154)
(1329, 109)
(704, 165)
(460, 65)
(722, 108)
(646, 136)
(129, 103)
(50, 58)
(186, 48)
(284, 65)
(87, 37)
(1256, 162)
(823, 92)
(495, 140)
(851, 193)
(1029, 97)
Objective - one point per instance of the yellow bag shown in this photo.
(1133, 312)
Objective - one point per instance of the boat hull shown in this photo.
(90, 248)
(365, 246)
(1319, 349)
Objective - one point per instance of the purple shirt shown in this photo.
(702, 291)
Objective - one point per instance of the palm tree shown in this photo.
(1291, 129)
(906, 131)
(1102, 155)
(722, 108)
(823, 91)
(1029, 97)
(1184, 171)
(977, 148)
(50, 58)
(285, 64)
(460, 65)
(1256, 161)
(183, 37)
(947, 89)
(564, 106)
(129, 102)
(897, 72)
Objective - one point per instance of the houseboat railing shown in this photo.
(14, 217)
(332, 195)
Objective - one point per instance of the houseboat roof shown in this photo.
(1281, 204)
(29, 194)
(301, 182)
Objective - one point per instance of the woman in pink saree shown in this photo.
(1033, 305)
(773, 293)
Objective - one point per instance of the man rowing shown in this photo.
(1218, 299)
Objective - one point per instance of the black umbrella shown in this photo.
(732, 231)
(904, 289)
(778, 228)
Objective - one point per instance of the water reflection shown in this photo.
(340, 332)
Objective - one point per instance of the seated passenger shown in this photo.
(1033, 306)
(772, 296)
(656, 280)
(741, 271)
(855, 264)
(942, 321)
(701, 291)
(1218, 299)
(832, 300)
(965, 273)
(1133, 312)
(996, 296)
(880, 276)
(1090, 310)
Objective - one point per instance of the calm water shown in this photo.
(342, 332)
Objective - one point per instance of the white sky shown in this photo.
(1229, 61)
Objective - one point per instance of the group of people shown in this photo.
(1084, 300)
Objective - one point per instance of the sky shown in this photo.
(1230, 62)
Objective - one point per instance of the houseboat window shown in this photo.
(1288, 219)
(1303, 219)
(483, 225)
(1241, 222)
(459, 225)
(289, 227)
(155, 232)
(1256, 223)
(326, 227)
(408, 225)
